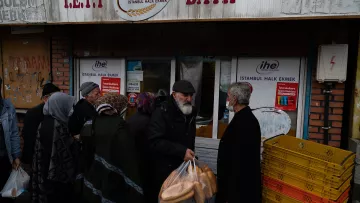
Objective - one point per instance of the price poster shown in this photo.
(110, 85)
(286, 96)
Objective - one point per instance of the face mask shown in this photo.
(230, 108)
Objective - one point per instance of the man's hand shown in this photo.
(16, 164)
(189, 155)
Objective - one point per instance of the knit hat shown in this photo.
(49, 88)
(87, 87)
(184, 86)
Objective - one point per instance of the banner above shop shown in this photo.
(93, 11)
(180, 10)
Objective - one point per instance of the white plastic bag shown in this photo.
(191, 182)
(16, 184)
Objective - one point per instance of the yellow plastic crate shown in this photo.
(327, 159)
(270, 196)
(319, 190)
(309, 174)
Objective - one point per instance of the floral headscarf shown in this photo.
(145, 102)
(111, 103)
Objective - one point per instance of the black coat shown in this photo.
(32, 120)
(238, 167)
(83, 112)
(114, 168)
(171, 133)
(138, 126)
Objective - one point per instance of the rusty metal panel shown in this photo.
(26, 68)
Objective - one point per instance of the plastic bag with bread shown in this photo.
(192, 181)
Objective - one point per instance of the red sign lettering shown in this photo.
(80, 4)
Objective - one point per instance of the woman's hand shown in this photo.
(16, 164)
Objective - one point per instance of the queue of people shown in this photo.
(86, 151)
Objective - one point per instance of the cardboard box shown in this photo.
(354, 146)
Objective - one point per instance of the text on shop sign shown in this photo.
(258, 78)
(267, 67)
(84, 4)
(101, 74)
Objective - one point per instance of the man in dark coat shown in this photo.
(172, 131)
(238, 166)
(32, 120)
(84, 110)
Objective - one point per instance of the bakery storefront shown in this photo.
(278, 80)
(208, 43)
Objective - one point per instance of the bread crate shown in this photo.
(327, 159)
(312, 175)
(272, 196)
(299, 194)
(320, 190)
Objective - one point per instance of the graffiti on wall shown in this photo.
(13, 11)
(24, 77)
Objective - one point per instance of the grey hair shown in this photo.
(241, 91)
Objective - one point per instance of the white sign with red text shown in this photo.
(263, 74)
(95, 69)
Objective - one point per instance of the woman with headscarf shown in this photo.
(53, 162)
(138, 123)
(111, 160)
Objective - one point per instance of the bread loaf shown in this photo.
(176, 191)
(206, 168)
(212, 179)
(170, 180)
(199, 195)
(180, 199)
(204, 179)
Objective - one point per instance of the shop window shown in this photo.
(200, 71)
(150, 75)
(225, 81)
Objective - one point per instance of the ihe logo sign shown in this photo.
(100, 65)
(267, 67)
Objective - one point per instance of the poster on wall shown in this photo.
(104, 72)
(132, 99)
(134, 66)
(286, 96)
(263, 74)
(133, 86)
(110, 85)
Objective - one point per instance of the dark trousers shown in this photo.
(5, 170)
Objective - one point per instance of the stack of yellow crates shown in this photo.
(296, 170)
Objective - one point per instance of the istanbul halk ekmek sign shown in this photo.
(136, 10)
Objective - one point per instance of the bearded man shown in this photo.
(171, 135)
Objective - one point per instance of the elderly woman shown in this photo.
(53, 163)
(238, 166)
(112, 166)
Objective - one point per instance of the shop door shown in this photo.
(26, 68)
(277, 97)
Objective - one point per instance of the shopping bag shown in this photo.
(16, 184)
(191, 182)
